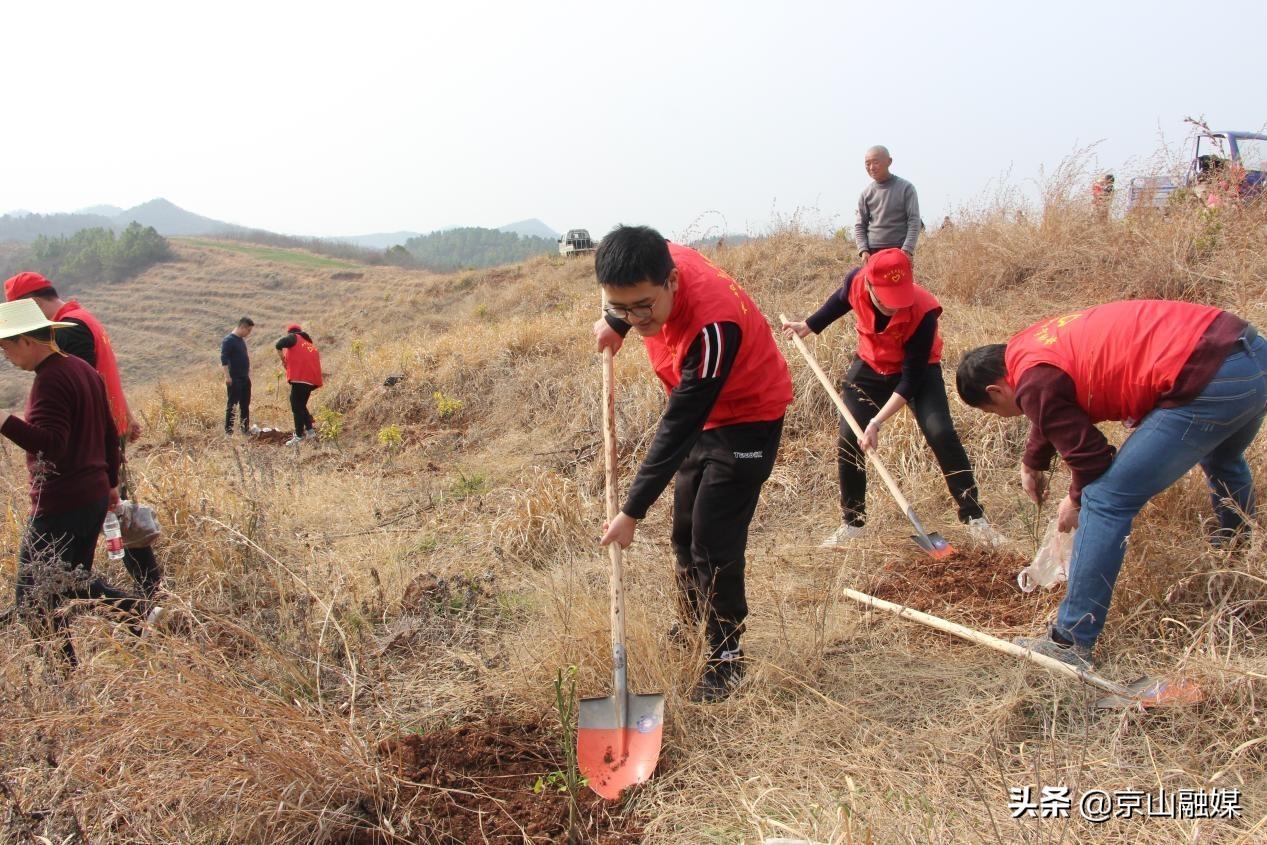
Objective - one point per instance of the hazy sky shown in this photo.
(347, 118)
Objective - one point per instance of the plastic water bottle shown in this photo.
(114, 536)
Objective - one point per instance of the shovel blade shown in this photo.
(1149, 693)
(934, 545)
(615, 754)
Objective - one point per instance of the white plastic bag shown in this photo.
(1051, 564)
(140, 525)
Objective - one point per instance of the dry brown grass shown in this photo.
(256, 718)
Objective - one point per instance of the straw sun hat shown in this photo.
(22, 316)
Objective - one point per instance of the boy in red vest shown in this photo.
(728, 388)
(303, 370)
(85, 338)
(1191, 380)
(898, 363)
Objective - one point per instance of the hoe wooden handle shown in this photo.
(989, 641)
(844, 412)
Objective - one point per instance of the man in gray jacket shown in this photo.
(888, 210)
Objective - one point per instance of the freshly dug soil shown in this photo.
(974, 587)
(486, 773)
(270, 437)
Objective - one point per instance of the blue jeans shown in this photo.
(1212, 430)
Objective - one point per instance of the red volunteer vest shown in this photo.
(759, 388)
(883, 351)
(303, 362)
(107, 365)
(1121, 356)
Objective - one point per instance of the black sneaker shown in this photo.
(721, 677)
(682, 636)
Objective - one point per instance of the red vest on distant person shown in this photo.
(883, 351)
(759, 388)
(107, 365)
(303, 362)
(1121, 356)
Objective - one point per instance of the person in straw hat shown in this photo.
(88, 339)
(72, 449)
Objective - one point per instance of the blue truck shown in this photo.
(1216, 154)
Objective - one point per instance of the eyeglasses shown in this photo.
(637, 312)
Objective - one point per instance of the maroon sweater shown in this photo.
(1048, 396)
(72, 446)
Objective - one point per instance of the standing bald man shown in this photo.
(888, 210)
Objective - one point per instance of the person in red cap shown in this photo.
(86, 338)
(303, 371)
(898, 363)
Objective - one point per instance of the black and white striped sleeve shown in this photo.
(705, 369)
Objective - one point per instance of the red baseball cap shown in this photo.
(24, 284)
(293, 327)
(889, 272)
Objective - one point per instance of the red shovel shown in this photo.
(618, 741)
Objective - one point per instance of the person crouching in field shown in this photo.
(72, 451)
(898, 363)
(728, 389)
(1192, 381)
(85, 337)
(303, 370)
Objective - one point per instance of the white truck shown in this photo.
(576, 242)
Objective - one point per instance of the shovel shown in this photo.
(932, 543)
(1144, 694)
(618, 740)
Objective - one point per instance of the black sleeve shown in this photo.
(288, 341)
(915, 355)
(836, 306)
(618, 325)
(704, 374)
(77, 341)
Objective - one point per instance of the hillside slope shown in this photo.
(367, 631)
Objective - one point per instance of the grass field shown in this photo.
(296, 257)
(367, 631)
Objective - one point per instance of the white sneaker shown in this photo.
(154, 620)
(295, 440)
(843, 535)
(984, 534)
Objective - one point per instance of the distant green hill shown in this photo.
(471, 246)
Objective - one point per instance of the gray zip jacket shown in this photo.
(888, 216)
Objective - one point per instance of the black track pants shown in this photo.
(865, 391)
(714, 499)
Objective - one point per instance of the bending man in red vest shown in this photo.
(1192, 378)
(86, 339)
(728, 389)
(303, 370)
(898, 363)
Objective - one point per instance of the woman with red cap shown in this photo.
(898, 363)
(303, 370)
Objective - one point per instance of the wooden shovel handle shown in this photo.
(844, 412)
(609, 462)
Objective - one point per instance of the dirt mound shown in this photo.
(972, 586)
(486, 773)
